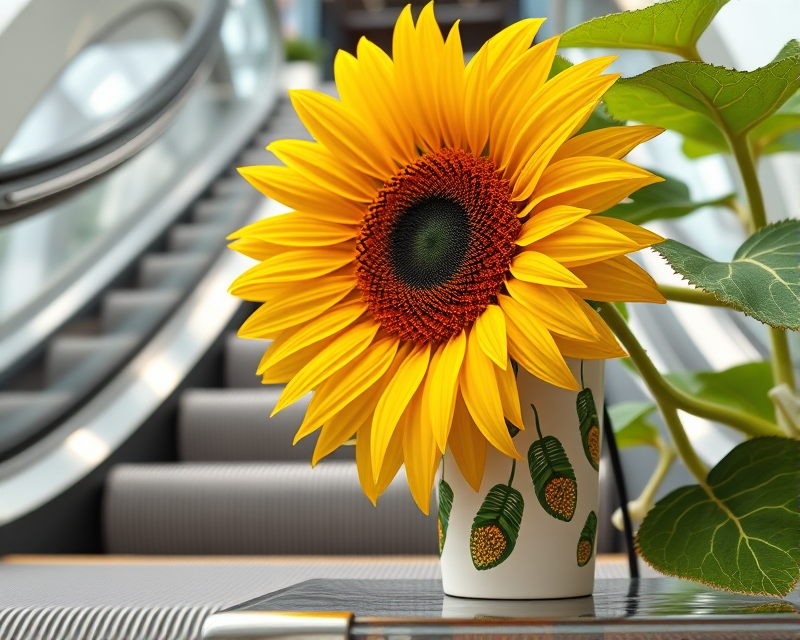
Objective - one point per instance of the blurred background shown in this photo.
(131, 421)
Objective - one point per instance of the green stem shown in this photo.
(782, 369)
(583, 386)
(747, 167)
(693, 296)
(536, 416)
(513, 470)
(666, 455)
(673, 397)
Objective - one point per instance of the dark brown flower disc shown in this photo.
(435, 246)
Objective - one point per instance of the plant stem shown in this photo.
(690, 53)
(675, 398)
(513, 470)
(782, 369)
(747, 167)
(536, 415)
(666, 455)
(693, 296)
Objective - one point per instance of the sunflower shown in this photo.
(444, 231)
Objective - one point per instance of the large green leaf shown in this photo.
(586, 540)
(631, 425)
(496, 526)
(445, 507)
(589, 426)
(553, 476)
(743, 387)
(741, 532)
(704, 102)
(667, 26)
(668, 199)
(762, 280)
(770, 136)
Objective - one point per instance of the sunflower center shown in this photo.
(434, 248)
(429, 242)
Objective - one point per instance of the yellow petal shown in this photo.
(391, 464)
(547, 108)
(476, 102)
(299, 264)
(590, 183)
(416, 54)
(297, 229)
(288, 367)
(288, 187)
(618, 280)
(532, 266)
(528, 174)
(584, 242)
(420, 453)
(296, 307)
(611, 142)
(379, 90)
(341, 316)
(511, 91)
(604, 347)
(510, 43)
(490, 328)
(553, 307)
(315, 163)
(467, 445)
(339, 130)
(257, 249)
(339, 353)
(444, 385)
(509, 395)
(451, 90)
(637, 234)
(533, 347)
(482, 397)
(549, 221)
(344, 424)
(394, 400)
(337, 392)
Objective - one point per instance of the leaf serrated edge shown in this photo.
(724, 303)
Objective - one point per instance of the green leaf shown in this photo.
(762, 280)
(559, 64)
(496, 527)
(553, 476)
(740, 533)
(586, 540)
(445, 507)
(631, 426)
(589, 426)
(704, 102)
(668, 199)
(673, 26)
(743, 387)
(513, 430)
(784, 120)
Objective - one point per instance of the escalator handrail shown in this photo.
(27, 186)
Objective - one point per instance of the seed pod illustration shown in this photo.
(445, 506)
(552, 475)
(589, 424)
(496, 526)
(586, 539)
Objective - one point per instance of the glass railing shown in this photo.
(55, 263)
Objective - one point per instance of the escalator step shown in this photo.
(242, 356)
(230, 425)
(233, 186)
(137, 310)
(228, 211)
(266, 508)
(197, 237)
(171, 269)
(87, 356)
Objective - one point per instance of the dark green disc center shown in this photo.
(429, 242)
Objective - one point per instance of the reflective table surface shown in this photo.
(406, 609)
